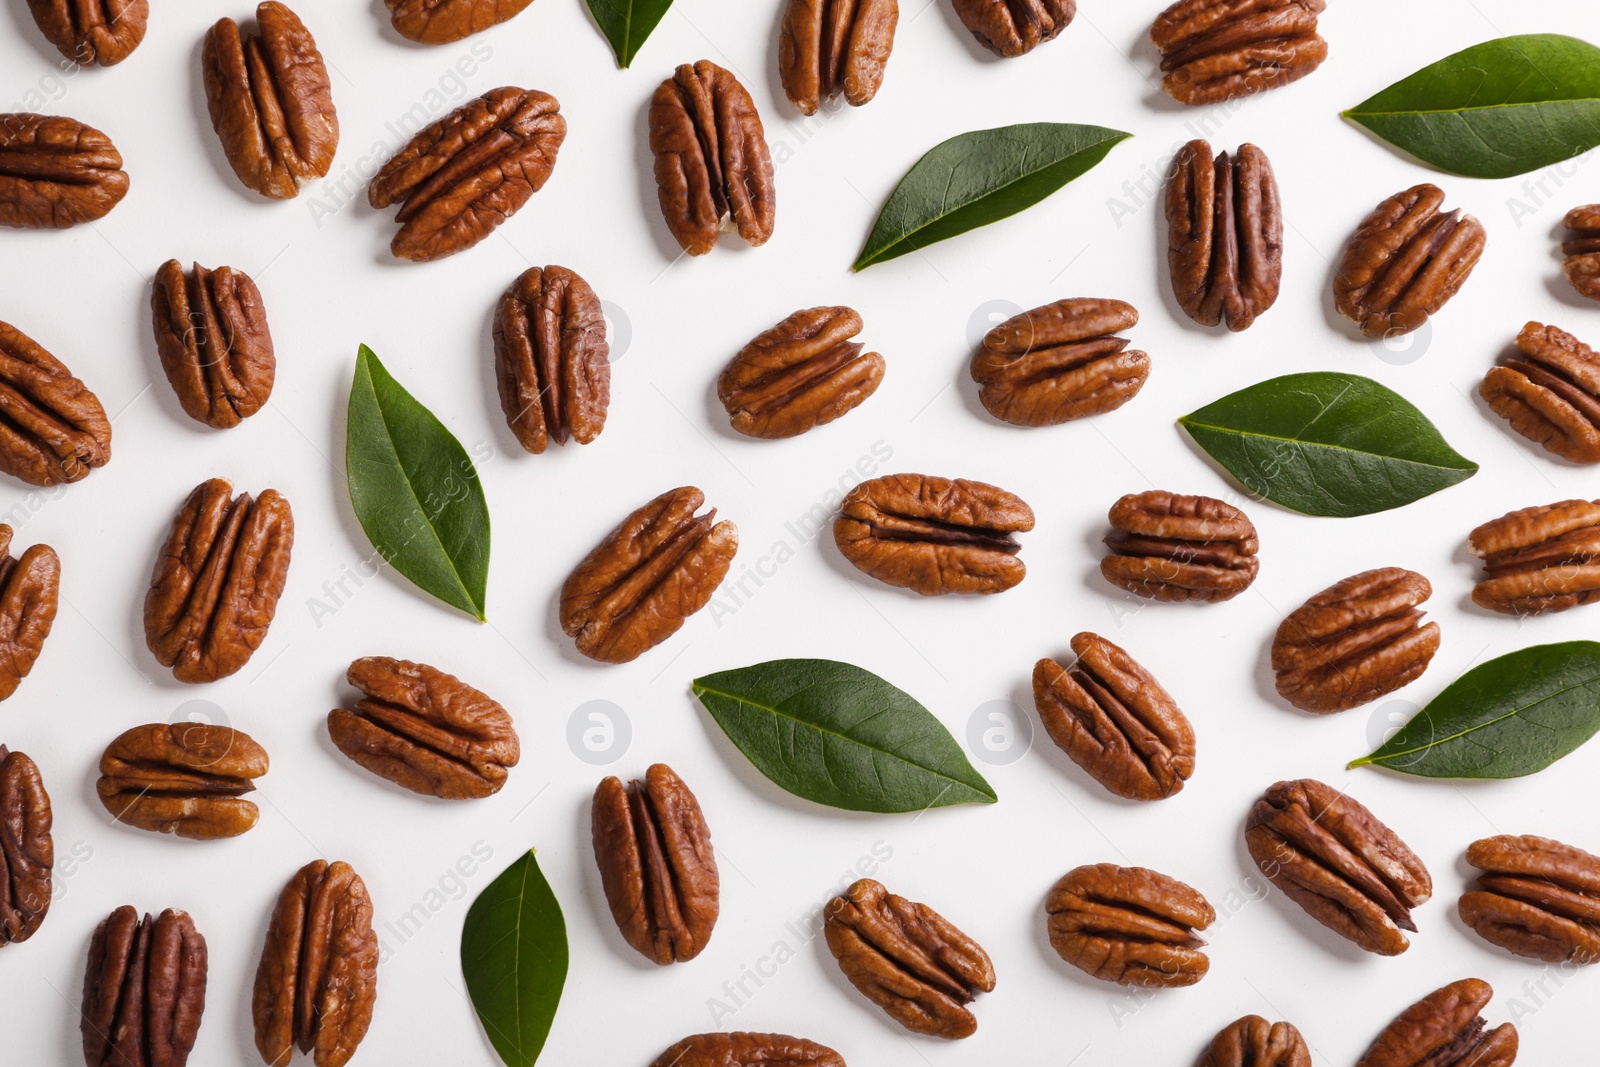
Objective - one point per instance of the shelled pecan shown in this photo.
(1172, 547)
(443, 21)
(741, 1049)
(56, 172)
(1060, 362)
(182, 778)
(800, 374)
(144, 990)
(1216, 50)
(551, 359)
(1011, 28)
(1550, 392)
(1406, 260)
(30, 592)
(1536, 898)
(27, 853)
(1129, 925)
(1445, 1029)
(1254, 1042)
(832, 47)
(92, 31)
(1539, 559)
(1224, 234)
(1581, 264)
(211, 332)
(52, 428)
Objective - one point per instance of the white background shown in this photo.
(330, 284)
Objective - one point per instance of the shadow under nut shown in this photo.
(90, 32)
(1539, 559)
(1445, 1029)
(829, 48)
(1059, 362)
(444, 21)
(1172, 547)
(551, 359)
(1254, 1042)
(211, 333)
(1550, 392)
(1129, 925)
(182, 778)
(1535, 898)
(1011, 28)
(56, 172)
(743, 1049)
(1224, 235)
(1405, 261)
(53, 430)
(1217, 50)
(1581, 251)
(27, 851)
(144, 990)
(30, 593)
(800, 374)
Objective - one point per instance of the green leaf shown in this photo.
(1325, 443)
(1503, 719)
(981, 177)
(841, 736)
(414, 490)
(514, 958)
(1494, 110)
(626, 23)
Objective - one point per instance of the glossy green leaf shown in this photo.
(1325, 443)
(514, 958)
(1494, 110)
(1502, 719)
(626, 23)
(838, 735)
(980, 177)
(415, 490)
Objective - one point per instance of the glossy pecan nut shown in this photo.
(1536, 898)
(1116, 722)
(551, 359)
(27, 853)
(1445, 1029)
(907, 959)
(1172, 547)
(1012, 28)
(1355, 641)
(1254, 1042)
(318, 977)
(211, 332)
(52, 428)
(92, 31)
(1550, 392)
(182, 778)
(270, 101)
(656, 863)
(443, 21)
(1216, 50)
(1332, 856)
(1405, 261)
(711, 158)
(1224, 234)
(217, 581)
(144, 990)
(831, 47)
(30, 592)
(1539, 559)
(658, 567)
(425, 730)
(934, 535)
(1129, 925)
(800, 374)
(465, 174)
(56, 172)
(1581, 251)
(1059, 362)
(742, 1049)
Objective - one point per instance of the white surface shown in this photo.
(330, 284)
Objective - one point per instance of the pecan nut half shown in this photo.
(318, 977)
(800, 374)
(1550, 392)
(1332, 856)
(829, 47)
(465, 174)
(907, 959)
(144, 990)
(217, 581)
(52, 428)
(92, 31)
(1355, 641)
(211, 333)
(182, 778)
(1012, 28)
(1116, 722)
(1536, 898)
(1216, 50)
(711, 158)
(1539, 559)
(1254, 1042)
(27, 853)
(1406, 260)
(659, 566)
(1059, 362)
(425, 730)
(30, 592)
(56, 172)
(1171, 547)
(741, 1049)
(934, 535)
(1129, 925)
(656, 863)
(1224, 234)
(443, 21)
(551, 359)
(270, 101)
(1581, 251)
(1445, 1029)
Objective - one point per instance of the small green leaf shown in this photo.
(514, 958)
(415, 490)
(1325, 443)
(841, 736)
(1503, 719)
(626, 23)
(981, 177)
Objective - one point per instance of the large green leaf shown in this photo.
(1496, 109)
(514, 958)
(626, 23)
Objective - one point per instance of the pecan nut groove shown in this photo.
(1539, 559)
(1536, 898)
(831, 47)
(182, 778)
(52, 428)
(92, 31)
(144, 990)
(1445, 1029)
(211, 333)
(56, 172)
(739, 1048)
(802, 373)
(27, 852)
(1224, 234)
(1581, 251)
(1254, 1042)
(1129, 925)
(30, 592)
(1406, 260)
(1059, 362)
(444, 21)
(1171, 547)
(1011, 28)
(551, 359)
(1216, 50)
(1550, 392)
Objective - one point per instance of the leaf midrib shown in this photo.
(1514, 712)
(1191, 424)
(1356, 111)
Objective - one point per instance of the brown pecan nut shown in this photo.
(1012, 28)
(551, 358)
(1405, 261)
(1355, 641)
(443, 21)
(711, 158)
(425, 730)
(52, 428)
(934, 535)
(465, 174)
(1550, 392)
(92, 31)
(907, 959)
(1536, 898)
(1216, 50)
(800, 374)
(1116, 722)
(1129, 925)
(658, 567)
(27, 854)
(56, 172)
(829, 47)
(1224, 234)
(1059, 362)
(1581, 264)
(1539, 559)
(1332, 856)
(211, 333)
(656, 864)
(217, 581)
(1254, 1042)
(270, 101)
(318, 977)
(144, 990)
(30, 592)
(741, 1049)
(182, 778)
(1445, 1029)
(1172, 547)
